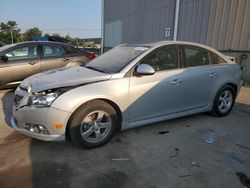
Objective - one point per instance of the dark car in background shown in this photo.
(2, 44)
(21, 60)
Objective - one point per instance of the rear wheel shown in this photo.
(93, 124)
(224, 101)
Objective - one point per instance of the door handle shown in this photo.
(176, 82)
(65, 59)
(213, 74)
(33, 62)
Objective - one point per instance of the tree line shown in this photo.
(10, 33)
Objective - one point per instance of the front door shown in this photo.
(23, 61)
(159, 94)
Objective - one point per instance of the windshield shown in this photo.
(6, 47)
(116, 59)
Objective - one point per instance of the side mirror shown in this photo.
(144, 69)
(4, 58)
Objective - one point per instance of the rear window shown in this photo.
(194, 56)
(53, 50)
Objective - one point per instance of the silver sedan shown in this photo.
(128, 86)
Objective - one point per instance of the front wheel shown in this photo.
(224, 101)
(93, 124)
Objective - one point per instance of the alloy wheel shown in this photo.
(96, 126)
(225, 101)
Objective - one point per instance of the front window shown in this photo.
(24, 52)
(164, 58)
(116, 59)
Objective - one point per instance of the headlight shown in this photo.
(44, 100)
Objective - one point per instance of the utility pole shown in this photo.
(11, 34)
(176, 19)
(22, 37)
(102, 27)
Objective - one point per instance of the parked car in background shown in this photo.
(95, 51)
(2, 44)
(126, 87)
(21, 60)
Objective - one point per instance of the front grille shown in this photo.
(17, 99)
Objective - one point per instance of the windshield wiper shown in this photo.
(95, 69)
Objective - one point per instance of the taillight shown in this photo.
(91, 56)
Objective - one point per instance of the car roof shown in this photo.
(41, 42)
(155, 45)
(179, 42)
(6, 47)
(168, 42)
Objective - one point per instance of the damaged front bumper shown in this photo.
(41, 117)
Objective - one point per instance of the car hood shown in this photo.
(63, 77)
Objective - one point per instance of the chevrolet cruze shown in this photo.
(128, 86)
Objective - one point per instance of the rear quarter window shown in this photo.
(215, 59)
(71, 49)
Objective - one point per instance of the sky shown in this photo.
(78, 18)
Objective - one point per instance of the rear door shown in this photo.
(23, 61)
(77, 56)
(54, 56)
(198, 78)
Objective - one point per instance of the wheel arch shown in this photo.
(214, 110)
(234, 86)
(110, 102)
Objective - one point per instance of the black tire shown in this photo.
(216, 110)
(75, 124)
